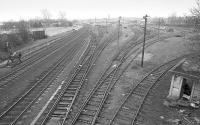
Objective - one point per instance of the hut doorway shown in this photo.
(186, 89)
(180, 88)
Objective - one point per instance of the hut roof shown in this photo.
(189, 67)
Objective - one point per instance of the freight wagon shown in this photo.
(39, 34)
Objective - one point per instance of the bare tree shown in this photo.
(62, 15)
(196, 10)
(196, 14)
(46, 14)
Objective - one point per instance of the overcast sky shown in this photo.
(87, 9)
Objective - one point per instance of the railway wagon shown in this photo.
(185, 80)
(39, 34)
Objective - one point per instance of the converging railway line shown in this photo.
(62, 105)
(88, 112)
(35, 57)
(129, 110)
(67, 105)
(13, 112)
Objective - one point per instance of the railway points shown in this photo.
(103, 86)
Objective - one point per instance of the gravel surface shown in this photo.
(156, 54)
(20, 84)
(39, 105)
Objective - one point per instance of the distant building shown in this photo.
(38, 33)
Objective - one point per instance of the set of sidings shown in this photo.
(14, 113)
(90, 110)
(62, 104)
(88, 113)
(129, 110)
(30, 60)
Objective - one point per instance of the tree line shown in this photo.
(17, 33)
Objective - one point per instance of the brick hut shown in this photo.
(185, 81)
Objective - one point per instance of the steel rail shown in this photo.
(14, 74)
(138, 90)
(32, 60)
(108, 75)
(88, 62)
(35, 84)
(121, 57)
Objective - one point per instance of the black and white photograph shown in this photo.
(100, 62)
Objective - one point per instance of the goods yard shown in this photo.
(93, 76)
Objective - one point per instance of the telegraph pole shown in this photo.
(106, 25)
(158, 29)
(145, 26)
(118, 34)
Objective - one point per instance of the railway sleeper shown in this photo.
(82, 122)
(59, 113)
(85, 118)
(150, 81)
(106, 104)
(100, 91)
(76, 81)
(157, 74)
(98, 96)
(130, 108)
(91, 107)
(62, 108)
(88, 112)
(64, 102)
(94, 102)
(63, 105)
(128, 115)
(70, 92)
(145, 84)
(78, 77)
(134, 98)
(141, 94)
(121, 120)
(68, 96)
(73, 86)
(102, 121)
(141, 89)
(71, 89)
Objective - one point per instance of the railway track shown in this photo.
(28, 52)
(13, 114)
(62, 105)
(90, 109)
(52, 42)
(138, 42)
(131, 105)
(34, 59)
(88, 113)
